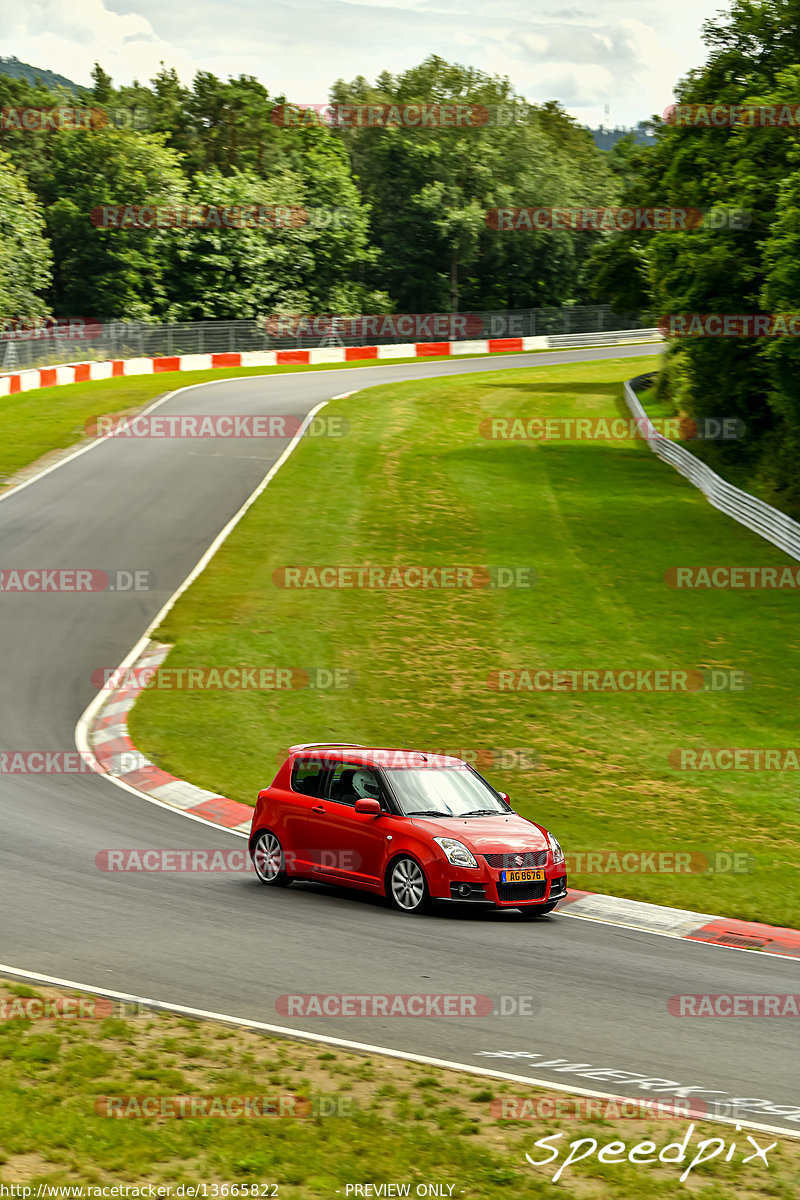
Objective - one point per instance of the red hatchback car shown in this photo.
(410, 826)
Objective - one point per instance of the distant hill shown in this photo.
(15, 69)
(604, 138)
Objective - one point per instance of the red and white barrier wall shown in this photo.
(42, 377)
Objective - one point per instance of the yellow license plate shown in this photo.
(522, 877)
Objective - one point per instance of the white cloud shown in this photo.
(583, 58)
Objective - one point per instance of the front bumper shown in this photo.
(484, 887)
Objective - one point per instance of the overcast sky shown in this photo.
(626, 54)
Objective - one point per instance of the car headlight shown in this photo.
(558, 853)
(457, 853)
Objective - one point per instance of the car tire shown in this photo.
(533, 914)
(268, 860)
(407, 887)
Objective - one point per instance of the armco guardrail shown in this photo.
(755, 514)
(563, 341)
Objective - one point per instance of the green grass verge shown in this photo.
(38, 422)
(401, 1122)
(601, 523)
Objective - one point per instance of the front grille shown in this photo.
(508, 862)
(521, 891)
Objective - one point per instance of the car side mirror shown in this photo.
(369, 808)
(504, 796)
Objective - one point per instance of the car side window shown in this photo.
(307, 776)
(350, 782)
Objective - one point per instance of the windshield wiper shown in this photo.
(428, 812)
(482, 812)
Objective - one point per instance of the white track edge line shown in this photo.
(676, 937)
(361, 1047)
(421, 360)
(84, 721)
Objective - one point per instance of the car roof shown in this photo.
(381, 756)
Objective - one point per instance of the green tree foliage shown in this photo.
(416, 236)
(430, 189)
(25, 256)
(753, 60)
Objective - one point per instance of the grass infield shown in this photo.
(600, 523)
(390, 1121)
(46, 420)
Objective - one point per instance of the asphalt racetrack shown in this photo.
(222, 942)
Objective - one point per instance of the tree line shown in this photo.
(415, 238)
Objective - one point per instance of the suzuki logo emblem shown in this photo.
(519, 859)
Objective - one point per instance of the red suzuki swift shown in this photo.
(410, 826)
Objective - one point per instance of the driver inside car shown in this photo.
(365, 786)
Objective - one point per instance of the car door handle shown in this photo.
(318, 808)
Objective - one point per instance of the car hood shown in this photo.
(497, 835)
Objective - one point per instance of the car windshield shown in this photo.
(443, 792)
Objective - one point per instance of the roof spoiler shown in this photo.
(326, 746)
